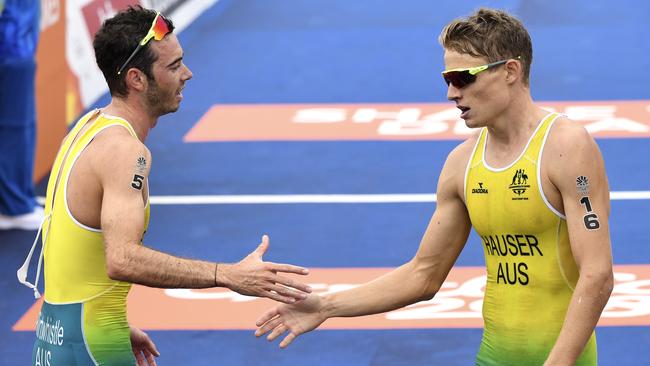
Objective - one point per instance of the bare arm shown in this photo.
(122, 223)
(579, 175)
(421, 277)
(417, 280)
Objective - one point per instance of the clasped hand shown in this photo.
(253, 277)
(295, 319)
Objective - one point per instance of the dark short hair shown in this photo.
(493, 34)
(116, 40)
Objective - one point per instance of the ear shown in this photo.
(513, 71)
(135, 79)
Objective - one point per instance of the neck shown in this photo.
(517, 121)
(134, 113)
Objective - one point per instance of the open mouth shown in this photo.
(463, 111)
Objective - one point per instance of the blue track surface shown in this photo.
(342, 51)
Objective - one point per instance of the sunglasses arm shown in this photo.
(129, 59)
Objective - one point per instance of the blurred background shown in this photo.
(325, 125)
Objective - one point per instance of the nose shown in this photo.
(453, 93)
(188, 73)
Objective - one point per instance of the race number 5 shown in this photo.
(590, 219)
(137, 182)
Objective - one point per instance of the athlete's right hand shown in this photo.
(253, 277)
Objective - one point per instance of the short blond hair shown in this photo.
(490, 33)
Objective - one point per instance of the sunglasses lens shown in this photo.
(459, 79)
(160, 28)
(158, 31)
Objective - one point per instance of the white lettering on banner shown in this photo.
(441, 308)
(368, 115)
(627, 306)
(445, 115)
(461, 300)
(451, 297)
(410, 121)
(400, 128)
(405, 121)
(50, 13)
(630, 297)
(191, 294)
(616, 124)
(430, 124)
(590, 112)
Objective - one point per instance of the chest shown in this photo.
(509, 200)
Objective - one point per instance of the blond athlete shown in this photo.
(533, 186)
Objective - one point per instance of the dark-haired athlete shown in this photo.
(97, 210)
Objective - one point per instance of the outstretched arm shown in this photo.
(417, 280)
(578, 173)
(122, 223)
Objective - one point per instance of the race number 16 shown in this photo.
(590, 219)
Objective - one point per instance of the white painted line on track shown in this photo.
(294, 198)
(326, 198)
(630, 195)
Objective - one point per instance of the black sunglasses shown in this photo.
(460, 78)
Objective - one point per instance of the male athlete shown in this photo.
(97, 210)
(532, 184)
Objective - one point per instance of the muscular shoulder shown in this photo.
(570, 149)
(567, 135)
(453, 173)
(460, 155)
(115, 151)
(568, 142)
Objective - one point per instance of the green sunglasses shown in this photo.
(460, 78)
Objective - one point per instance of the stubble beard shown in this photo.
(157, 104)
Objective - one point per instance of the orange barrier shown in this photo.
(51, 81)
(395, 121)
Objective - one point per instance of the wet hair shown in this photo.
(116, 40)
(492, 34)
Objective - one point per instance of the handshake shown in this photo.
(253, 277)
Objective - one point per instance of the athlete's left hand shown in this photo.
(143, 348)
(298, 318)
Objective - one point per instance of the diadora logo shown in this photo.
(519, 185)
(480, 189)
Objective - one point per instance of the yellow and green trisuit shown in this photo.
(83, 318)
(531, 272)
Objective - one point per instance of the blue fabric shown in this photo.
(17, 137)
(19, 27)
